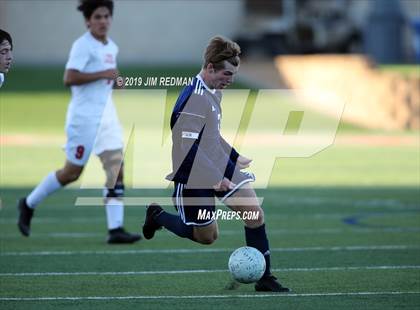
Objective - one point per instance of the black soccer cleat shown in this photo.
(25, 216)
(269, 283)
(120, 236)
(150, 226)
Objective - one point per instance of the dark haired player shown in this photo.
(91, 123)
(6, 57)
(205, 166)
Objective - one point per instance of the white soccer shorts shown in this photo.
(85, 135)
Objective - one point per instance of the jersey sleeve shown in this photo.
(79, 56)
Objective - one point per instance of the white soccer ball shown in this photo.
(246, 264)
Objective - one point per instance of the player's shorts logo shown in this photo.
(80, 150)
(109, 59)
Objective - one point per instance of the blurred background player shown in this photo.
(91, 123)
(205, 166)
(6, 57)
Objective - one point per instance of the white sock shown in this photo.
(114, 213)
(49, 185)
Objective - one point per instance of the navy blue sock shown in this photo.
(174, 223)
(257, 238)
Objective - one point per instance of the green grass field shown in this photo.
(344, 228)
(404, 70)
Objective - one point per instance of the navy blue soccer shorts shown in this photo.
(191, 202)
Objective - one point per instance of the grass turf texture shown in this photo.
(305, 225)
(350, 206)
(404, 70)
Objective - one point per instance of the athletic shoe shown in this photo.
(270, 284)
(25, 216)
(120, 236)
(150, 226)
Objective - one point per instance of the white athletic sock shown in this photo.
(49, 185)
(114, 213)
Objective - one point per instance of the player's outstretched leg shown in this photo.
(156, 218)
(255, 235)
(200, 231)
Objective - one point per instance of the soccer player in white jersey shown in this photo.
(6, 46)
(92, 124)
(205, 166)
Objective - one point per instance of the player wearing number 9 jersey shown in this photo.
(92, 124)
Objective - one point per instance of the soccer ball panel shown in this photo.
(246, 264)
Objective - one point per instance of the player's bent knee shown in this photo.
(71, 177)
(69, 173)
(112, 163)
(207, 238)
(261, 217)
(257, 218)
(215, 235)
(65, 176)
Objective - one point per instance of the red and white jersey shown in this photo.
(89, 55)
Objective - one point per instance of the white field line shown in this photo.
(284, 295)
(382, 203)
(135, 273)
(64, 220)
(358, 230)
(285, 231)
(216, 250)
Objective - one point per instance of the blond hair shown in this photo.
(220, 49)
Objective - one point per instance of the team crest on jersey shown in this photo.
(109, 59)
